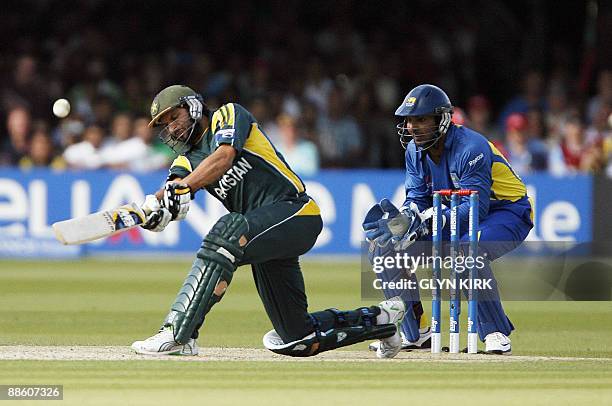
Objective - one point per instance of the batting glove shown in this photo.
(177, 198)
(158, 217)
(195, 106)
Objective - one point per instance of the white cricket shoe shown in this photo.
(391, 312)
(163, 343)
(498, 343)
(423, 343)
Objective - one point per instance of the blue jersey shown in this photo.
(469, 161)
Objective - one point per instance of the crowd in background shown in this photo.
(323, 85)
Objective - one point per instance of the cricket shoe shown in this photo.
(391, 312)
(498, 343)
(423, 343)
(163, 343)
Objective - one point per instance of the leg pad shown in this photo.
(210, 275)
(348, 328)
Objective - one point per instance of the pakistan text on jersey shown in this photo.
(231, 178)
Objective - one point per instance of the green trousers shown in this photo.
(278, 235)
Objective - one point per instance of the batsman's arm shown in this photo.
(208, 171)
(211, 168)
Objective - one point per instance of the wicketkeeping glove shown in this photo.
(420, 228)
(177, 198)
(384, 223)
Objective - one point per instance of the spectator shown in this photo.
(41, 154)
(340, 139)
(121, 128)
(479, 117)
(536, 125)
(308, 122)
(459, 116)
(600, 133)
(137, 153)
(81, 98)
(381, 131)
(301, 155)
(525, 154)
(260, 108)
(530, 97)
(599, 130)
(318, 85)
(580, 155)
(113, 152)
(69, 132)
(558, 111)
(103, 109)
(603, 96)
(607, 148)
(27, 88)
(291, 67)
(134, 96)
(86, 154)
(18, 124)
(154, 157)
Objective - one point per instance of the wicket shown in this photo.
(455, 293)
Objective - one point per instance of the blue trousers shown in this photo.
(500, 232)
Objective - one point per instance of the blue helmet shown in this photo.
(425, 100)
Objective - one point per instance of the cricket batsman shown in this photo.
(443, 155)
(271, 222)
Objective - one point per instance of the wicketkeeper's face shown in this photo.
(422, 128)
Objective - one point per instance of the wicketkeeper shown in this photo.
(443, 155)
(272, 221)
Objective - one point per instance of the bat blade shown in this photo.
(99, 225)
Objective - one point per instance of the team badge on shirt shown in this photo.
(455, 180)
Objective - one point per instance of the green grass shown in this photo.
(232, 383)
(95, 302)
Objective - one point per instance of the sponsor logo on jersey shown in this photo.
(232, 177)
(225, 136)
(475, 160)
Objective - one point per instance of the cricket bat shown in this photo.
(99, 225)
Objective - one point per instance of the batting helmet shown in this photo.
(178, 135)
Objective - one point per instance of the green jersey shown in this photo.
(259, 175)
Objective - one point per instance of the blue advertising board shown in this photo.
(31, 201)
